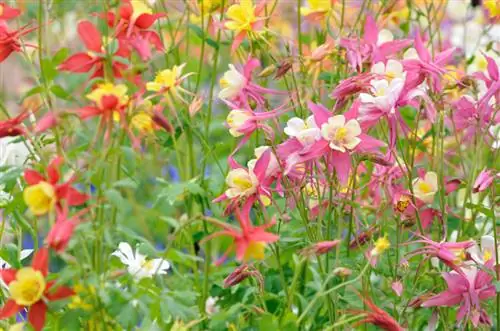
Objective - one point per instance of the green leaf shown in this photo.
(60, 56)
(60, 92)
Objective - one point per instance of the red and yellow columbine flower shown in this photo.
(30, 289)
(110, 102)
(243, 19)
(44, 194)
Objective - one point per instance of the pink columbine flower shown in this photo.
(376, 316)
(397, 287)
(237, 88)
(468, 288)
(376, 45)
(450, 253)
(470, 116)
(422, 65)
(340, 136)
(484, 180)
(320, 248)
(248, 184)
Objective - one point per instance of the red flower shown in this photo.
(7, 13)
(13, 126)
(95, 58)
(250, 241)
(377, 317)
(43, 193)
(131, 27)
(9, 40)
(29, 289)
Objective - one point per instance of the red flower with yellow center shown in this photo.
(29, 289)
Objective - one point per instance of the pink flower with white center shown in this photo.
(241, 182)
(468, 287)
(382, 100)
(341, 135)
(232, 83)
(237, 120)
(392, 69)
(307, 132)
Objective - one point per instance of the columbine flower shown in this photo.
(43, 194)
(307, 132)
(392, 69)
(316, 10)
(243, 19)
(376, 316)
(468, 288)
(211, 306)
(485, 252)
(341, 135)
(382, 100)
(249, 242)
(29, 289)
(110, 102)
(483, 181)
(236, 120)
(231, 83)
(381, 245)
(241, 183)
(425, 188)
(137, 264)
(7, 13)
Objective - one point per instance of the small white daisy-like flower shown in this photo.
(137, 264)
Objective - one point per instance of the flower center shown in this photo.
(424, 187)
(28, 287)
(243, 183)
(487, 255)
(255, 250)
(341, 134)
(40, 198)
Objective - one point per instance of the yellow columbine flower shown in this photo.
(28, 286)
(166, 79)
(241, 16)
(40, 198)
(381, 245)
(108, 89)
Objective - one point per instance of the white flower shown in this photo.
(495, 133)
(384, 96)
(13, 153)
(393, 69)
(425, 189)
(232, 83)
(486, 251)
(384, 36)
(236, 119)
(137, 264)
(307, 132)
(340, 134)
(457, 10)
(241, 182)
(211, 306)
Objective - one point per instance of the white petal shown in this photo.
(378, 68)
(384, 36)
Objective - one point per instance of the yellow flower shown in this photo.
(241, 16)
(241, 183)
(255, 250)
(28, 287)
(139, 7)
(40, 198)
(143, 122)
(493, 7)
(316, 6)
(166, 79)
(381, 245)
(108, 89)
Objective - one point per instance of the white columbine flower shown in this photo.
(486, 251)
(137, 264)
(211, 306)
(231, 83)
(241, 183)
(384, 36)
(384, 95)
(341, 135)
(13, 154)
(307, 132)
(425, 189)
(393, 69)
(236, 119)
